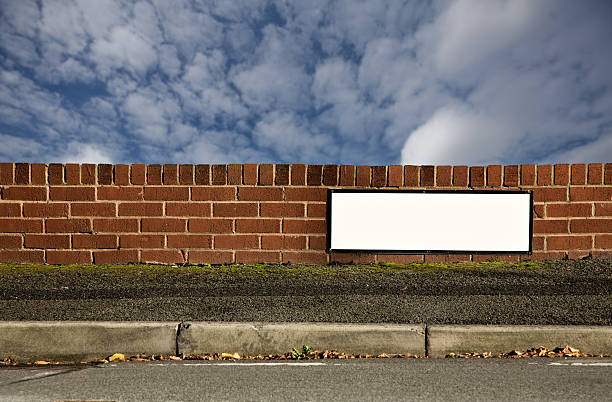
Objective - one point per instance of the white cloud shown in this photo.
(19, 149)
(598, 150)
(78, 152)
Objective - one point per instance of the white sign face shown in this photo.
(429, 221)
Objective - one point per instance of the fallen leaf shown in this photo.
(117, 357)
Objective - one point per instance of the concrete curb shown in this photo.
(83, 340)
(444, 339)
(88, 340)
(279, 338)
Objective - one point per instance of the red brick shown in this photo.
(210, 257)
(233, 209)
(213, 193)
(73, 174)
(154, 174)
(363, 176)
(352, 258)
(6, 173)
(105, 174)
(305, 194)
(202, 175)
(94, 241)
(511, 176)
(400, 259)
(427, 176)
(69, 225)
(603, 209)
(495, 257)
(330, 175)
(88, 173)
(57, 257)
(234, 173)
(25, 193)
(460, 176)
(595, 175)
(396, 176)
(23, 256)
(347, 175)
(443, 176)
(14, 225)
(219, 174)
(122, 175)
(166, 193)
(608, 173)
(298, 175)
(189, 241)
(281, 175)
(562, 174)
(250, 174)
(10, 209)
(304, 257)
(304, 226)
(93, 209)
(379, 176)
(494, 175)
(274, 242)
(266, 174)
(591, 226)
(548, 194)
(255, 257)
(22, 173)
(544, 256)
(73, 193)
(141, 241)
(477, 178)
(46, 241)
(164, 225)
(544, 173)
(579, 173)
(170, 174)
(550, 226)
(138, 174)
(601, 254)
(260, 194)
(162, 256)
(538, 211)
(186, 174)
(591, 193)
(411, 176)
(569, 242)
(237, 241)
(38, 171)
(116, 257)
(56, 173)
(10, 241)
(537, 242)
(141, 209)
(258, 225)
(317, 242)
(603, 241)
(210, 225)
(578, 255)
(120, 193)
(115, 225)
(317, 210)
(188, 209)
(570, 209)
(447, 258)
(528, 175)
(315, 175)
(281, 209)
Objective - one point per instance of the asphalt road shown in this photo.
(369, 379)
(564, 293)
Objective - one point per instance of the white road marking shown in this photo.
(600, 364)
(246, 364)
(38, 375)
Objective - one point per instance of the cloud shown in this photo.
(598, 150)
(77, 152)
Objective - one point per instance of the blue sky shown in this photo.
(357, 82)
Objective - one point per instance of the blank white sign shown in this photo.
(404, 222)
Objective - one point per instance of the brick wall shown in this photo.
(103, 214)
